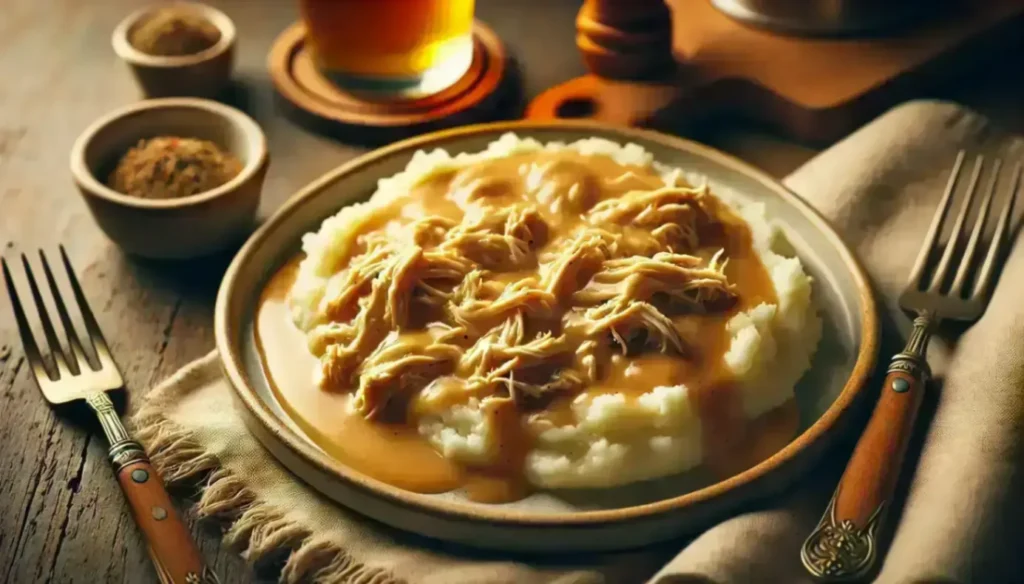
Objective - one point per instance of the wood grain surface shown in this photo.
(62, 517)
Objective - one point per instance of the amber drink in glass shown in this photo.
(390, 48)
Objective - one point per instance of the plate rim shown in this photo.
(233, 368)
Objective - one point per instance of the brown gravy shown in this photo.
(392, 453)
(396, 454)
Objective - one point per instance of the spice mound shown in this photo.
(172, 32)
(168, 167)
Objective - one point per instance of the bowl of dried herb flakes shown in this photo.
(177, 49)
(172, 178)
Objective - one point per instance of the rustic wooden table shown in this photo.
(62, 517)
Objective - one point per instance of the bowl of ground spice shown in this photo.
(177, 49)
(172, 178)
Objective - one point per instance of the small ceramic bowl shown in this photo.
(180, 228)
(202, 74)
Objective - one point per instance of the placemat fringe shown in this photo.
(255, 528)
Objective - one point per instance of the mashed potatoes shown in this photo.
(617, 441)
(597, 439)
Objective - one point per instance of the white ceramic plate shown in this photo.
(558, 521)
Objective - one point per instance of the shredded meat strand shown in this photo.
(673, 214)
(396, 368)
(678, 277)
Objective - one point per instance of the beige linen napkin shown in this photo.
(963, 519)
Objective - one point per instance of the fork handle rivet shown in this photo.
(159, 513)
(140, 475)
(900, 385)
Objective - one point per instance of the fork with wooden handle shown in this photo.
(844, 545)
(69, 375)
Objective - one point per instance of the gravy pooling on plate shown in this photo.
(477, 321)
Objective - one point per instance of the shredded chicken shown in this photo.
(505, 347)
(671, 213)
(354, 282)
(397, 368)
(352, 342)
(480, 313)
(628, 322)
(501, 238)
(588, 359)
(406, 270)
(576, 261)
(680, 278)
(503, 354)
(488, 303)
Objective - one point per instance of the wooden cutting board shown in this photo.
(811, 89)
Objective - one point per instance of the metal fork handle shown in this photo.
(844, 545)
(174, 553)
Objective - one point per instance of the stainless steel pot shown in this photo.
(828, 17)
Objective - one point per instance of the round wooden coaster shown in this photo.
(477, 96)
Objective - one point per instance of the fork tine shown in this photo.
(95, 335)
(77, 358)
(934, 228)
(35, 358)
(979, 227)
(985, 275)
(56, 350)
(942, 269)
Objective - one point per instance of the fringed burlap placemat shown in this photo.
(193, 433)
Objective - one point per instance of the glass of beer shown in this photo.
(390, 49)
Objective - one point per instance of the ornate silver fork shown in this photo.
(67, 376)
(844, 546)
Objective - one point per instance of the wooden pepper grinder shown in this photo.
(626, 39)
(627, 47)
